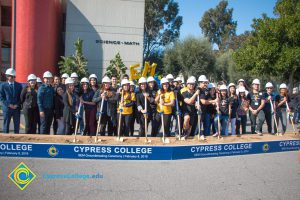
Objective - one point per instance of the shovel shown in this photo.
(99, 122)
(120, 139)
(164, 139)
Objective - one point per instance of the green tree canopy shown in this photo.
(116, 67)
(273, 50)
(192, 56)
(162, 25)
(76, 62)
(217, 24)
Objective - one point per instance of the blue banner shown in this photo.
(78, 151)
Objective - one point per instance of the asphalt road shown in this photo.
(264, 176)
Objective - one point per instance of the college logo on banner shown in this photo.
(52, 151)
(21, 176)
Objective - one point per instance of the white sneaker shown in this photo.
(202, 137)
(259, 133)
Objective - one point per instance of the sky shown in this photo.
(243, 12)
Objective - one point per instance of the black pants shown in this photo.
(268, 116)
(125, 124)
(106, 122)
(31, 116)
(70, 126)
(142, 124)
(133, 118)
(157, 124)
(241, 121)
(46, 121)
(55, 126)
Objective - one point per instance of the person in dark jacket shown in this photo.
(10, 92)
(46, 103)
(59, 107)
(152, 89)
(71, 103)
(90, 107)
(109, 109)
(142, 96)
(30, 107)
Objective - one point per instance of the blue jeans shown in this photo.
(9, 113)
(46, 121)
(206, 123)
(223, 122)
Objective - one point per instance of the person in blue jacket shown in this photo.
(46, 103)
(10, 92)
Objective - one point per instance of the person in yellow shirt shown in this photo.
(164, 99)
(126, 101)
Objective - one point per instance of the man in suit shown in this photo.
(45, 99)
(10, 92)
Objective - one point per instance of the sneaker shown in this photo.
(215, 135)
(259, 133)
(202, 137)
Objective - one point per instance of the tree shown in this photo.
(192, 56)
(157, 57)
(76, 62)
(217, 24)
(116, 67)
(162, 25)
(273, 50)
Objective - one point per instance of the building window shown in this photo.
(6, 15)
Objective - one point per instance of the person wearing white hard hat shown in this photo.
(30, 107)
(270, 98)
(233, 105)
(164, 99)
(241, 83)
(204, 102)
(242, 111)
(152, 88)
(93, 82)
(223, 111)
(282, 108)
(211, 108)
(107, 94)
(39, 81)
(64, 77)
(75, 79)
(71, 106)
(170, 78)
(257, 103)
(126, 100)
(46, 103)
(90, 108)
(142, 97)
(10, 98)
(189, 108)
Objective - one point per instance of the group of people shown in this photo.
(199, 107)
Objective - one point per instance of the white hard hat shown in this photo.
(164, 80)
(191, 80)
(223, 87)
(202, 78)
(211, 85)
(65, 75)
(84, 80)
(74, 75)
(169, 76)
(93, 76)
(283, 86)
(39, 80)
(178, 79)
(242, 89)
(124, 82)
(47, 74)
(131, 83)
(230, 85)
(269, 85)
(150, 79)
(69, 81)
(256, 81)
(10, 72)
(31, 77)
(106, 79)
(241, 80)
(142, 80)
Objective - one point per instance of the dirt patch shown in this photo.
(139, 141)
